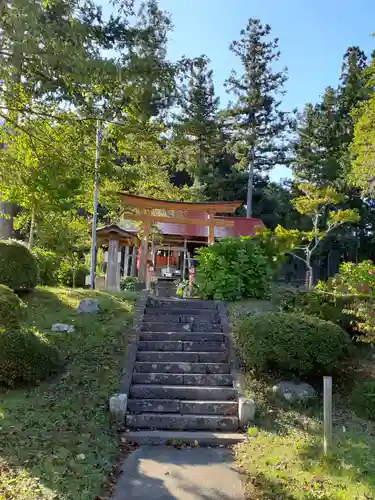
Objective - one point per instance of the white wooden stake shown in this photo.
(327, 402)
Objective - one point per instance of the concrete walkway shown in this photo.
(167, 473)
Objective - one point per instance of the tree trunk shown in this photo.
(309, 273)
(32, 229)
(6, 222)
(249, 201)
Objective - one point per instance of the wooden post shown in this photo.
(112, 281)
(211, 230)
(327, 402)
(126, 262)
(142, 272)
(133, 267)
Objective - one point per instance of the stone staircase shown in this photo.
(181, 379)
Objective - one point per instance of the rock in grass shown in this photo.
(62, 327)
(88, 306)
(294, 392)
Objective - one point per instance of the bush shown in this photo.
(291, 343)
(363, 399)
(10, 308)
(232, 269)
(128, 283)
(18, 267)
(72, 275)
(327, 306)
(48, 266)
(26, 358)
(352, 279)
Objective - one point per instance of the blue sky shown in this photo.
(314, 35)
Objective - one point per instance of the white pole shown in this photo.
(95, 206)
(327, 402)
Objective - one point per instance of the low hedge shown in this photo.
(26, 358)
(323, 305)
(18, 267)
(291, 343)
(10, 308)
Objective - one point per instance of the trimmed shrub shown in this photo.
(292, 343)
(324, 305)
(233, 269)
(363, 399)
(10, 308)
(18, 267)
(26, 358)
(128, 283)
(48, 266)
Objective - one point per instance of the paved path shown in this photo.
(167, 473)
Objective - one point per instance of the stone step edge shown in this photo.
(180, 386)
(205, 438)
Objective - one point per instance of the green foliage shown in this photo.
(327, 306)
(26, 357)
(292, 343)
(10, 308)
(72, 272)
(363, 399)
(128, 283)
(18, 267)
(48, 266)
(255, 122)
(232, 269)
(352, 279)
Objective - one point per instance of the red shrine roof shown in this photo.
(242, 226)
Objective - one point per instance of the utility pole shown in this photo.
(95, 206)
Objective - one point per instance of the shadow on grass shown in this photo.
(59, 431)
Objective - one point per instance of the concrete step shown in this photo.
(158, 378)
(155, 437)
(168, 345)
(181, 315)
(182, 392)
(182, 379)
(215, 379)
(183, 407)
(182, 303)
(154, 405)
(181, 327)
(181, 422)
(180, 367)
(188, 336)
(182, 356)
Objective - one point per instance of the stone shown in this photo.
(118, 406)
(212, 379)
(294, 392)
(154, 405)
(246, 411)
(159, 345)
(184, 392)
(167, 473)
(158, 378)
(185, 336)
(203, 346)
(88, 306)
(213, 357)
(182, 422)
(165, 356)
(208, 407)
(62, 327)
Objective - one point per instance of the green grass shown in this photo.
(55, 439)
(283, 457)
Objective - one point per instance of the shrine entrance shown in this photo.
(170, 256)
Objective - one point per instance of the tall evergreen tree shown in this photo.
(256, 123)
(196, 129)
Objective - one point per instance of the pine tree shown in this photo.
(256, 123)
(197, 129)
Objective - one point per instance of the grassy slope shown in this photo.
(283, 458)
(55, 439)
